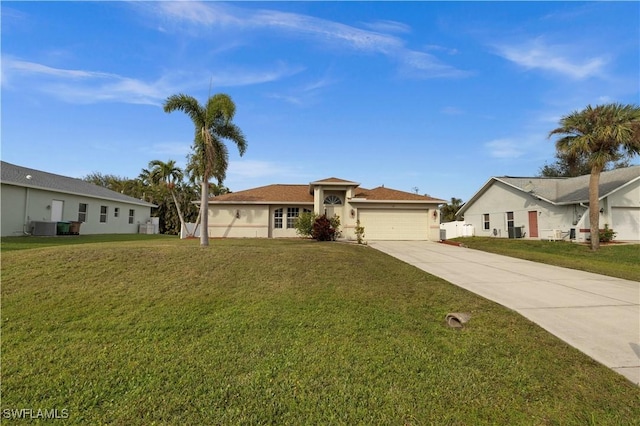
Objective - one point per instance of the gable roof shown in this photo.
(562, 191)
(276, 193)
(334, 180)
(31, 178)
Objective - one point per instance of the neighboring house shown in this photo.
(32, 199)
(271, 211)
(555, 208)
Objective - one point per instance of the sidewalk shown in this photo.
(596, 314)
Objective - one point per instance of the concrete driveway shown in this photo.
(596, 314)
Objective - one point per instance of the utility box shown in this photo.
(48, 229)
(145, 228)
(515, 232)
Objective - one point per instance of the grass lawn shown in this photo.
(161, 331)
(614, 260)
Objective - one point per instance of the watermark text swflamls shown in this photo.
(35, 413)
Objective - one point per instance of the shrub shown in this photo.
(607, 234)
(322, 229)
(359, 232)
(304, 224)
(335, 224)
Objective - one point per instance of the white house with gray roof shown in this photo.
(555, 208)
(33, 200)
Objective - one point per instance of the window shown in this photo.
(510, 221)
(277, 218)
(116, 212)
(332, 199)
(306, 211)
(485, 221)
(292, 215)
(132, 214)
(82, 212)
(103, 214)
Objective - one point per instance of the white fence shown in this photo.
(456, 229)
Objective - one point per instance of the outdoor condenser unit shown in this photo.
(43, 228)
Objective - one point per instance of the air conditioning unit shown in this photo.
(47, 229)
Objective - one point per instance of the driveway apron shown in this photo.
(596, 314)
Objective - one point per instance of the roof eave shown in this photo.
(258, 202)
(364, 200)
(62, 191)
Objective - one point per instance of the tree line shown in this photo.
(164, 184)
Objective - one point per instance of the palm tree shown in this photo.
(601, 134)
(213, 124)
(168, 174)
(449, 210)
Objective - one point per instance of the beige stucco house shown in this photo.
(34, 201)
(555, 208)
(271, 211)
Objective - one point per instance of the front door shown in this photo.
(56, 210)
(533, 224)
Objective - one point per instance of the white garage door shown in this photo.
(384, 224)
(626, 223)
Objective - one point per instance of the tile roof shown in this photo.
(17, 175)
(387, 194)
(271, 193)
(279, 193)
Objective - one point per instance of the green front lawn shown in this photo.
(296, 332)
(614, 260)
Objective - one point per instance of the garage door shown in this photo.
(626, 223)
(384, 224)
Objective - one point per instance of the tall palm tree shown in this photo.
(167, 174)
(213, 124)
(601, 134)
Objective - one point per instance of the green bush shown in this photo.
(359, 232)
(335, 224)
(607, 234)
(304, 224)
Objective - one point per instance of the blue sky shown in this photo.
(437, 96)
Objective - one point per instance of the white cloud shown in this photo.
(179, 149)
(304, 95)
(560, 59)
(87, 87)
(213, 16)
(254, 169)
(388, 26)
(504, 148)
(451, 110)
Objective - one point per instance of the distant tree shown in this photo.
(572, 165)
(108, 181)
(168, 175)
(601, 134)
(449, 210)
(213, 124)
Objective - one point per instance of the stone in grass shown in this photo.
(457, 319)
